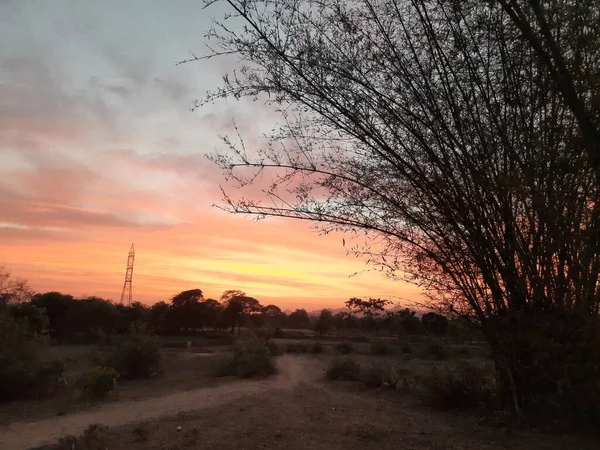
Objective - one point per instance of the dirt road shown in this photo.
(24, 435)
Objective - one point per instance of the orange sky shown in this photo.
(98, 150)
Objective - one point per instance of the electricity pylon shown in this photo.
(127, 287)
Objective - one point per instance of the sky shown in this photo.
(99, 150)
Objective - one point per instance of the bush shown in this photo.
(99, 382)
(251, 357)
(93, 438)
(437, 351)
(346, 369)
(137, 356)
(380, 374)
(462, 388)
(381, 347)
(22, 374)
(345, 348)
(317, 347)
(296, 347)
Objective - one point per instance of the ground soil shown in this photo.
(296, 409)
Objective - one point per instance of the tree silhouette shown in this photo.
(462, 137)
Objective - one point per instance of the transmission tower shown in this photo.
(127, 287)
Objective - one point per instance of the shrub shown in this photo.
(346, 369)
(380, 374)
(381, 347)
(93, 438)
(345, 348)
(462, 388)
(317, 347)
(138, 355)
(296, 347)
(437, 351)
(22, 374)
(251, 357)
(99, 382)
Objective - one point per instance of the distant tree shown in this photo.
(324, 322)
(55, 304)
(211, 309)
(13, 290)
(159, 318)
(370, 307)
(186, 311)
(272, 316)
(299, 319)
(32, 317)
(85, 318)
(238, 307)
(229, 294)
(409, 320)
(434, 323)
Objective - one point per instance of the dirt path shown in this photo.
(24, 435)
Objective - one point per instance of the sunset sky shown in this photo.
(98, 150)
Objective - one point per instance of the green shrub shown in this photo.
(138, 355)
(296, 347)
(437, 351)
(317, 347)
(99, 382)
(251, 357)
(462, 388)
(381, 347)
(346, 369)
(345, 348)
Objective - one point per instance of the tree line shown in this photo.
(91, 319)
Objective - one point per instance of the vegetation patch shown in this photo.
(22, 373)
(466, 387)
(345, 369)
(251, 357)
(98, 383)
(138, 355)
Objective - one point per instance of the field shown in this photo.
(187, 407)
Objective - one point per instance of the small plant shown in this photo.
(381, 347)
(345, 369)
(296, 347)
(138, 355)
(345, 348)
(317, 347)
(99, 382)
(93, 438)
(462, 388)
(437, 351)
(251, 357)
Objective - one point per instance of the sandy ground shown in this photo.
(17, 436)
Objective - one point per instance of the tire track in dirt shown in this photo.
(24, 435)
